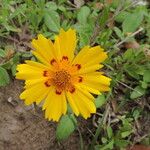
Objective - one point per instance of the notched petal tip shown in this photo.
(49, 118)
(41, 36)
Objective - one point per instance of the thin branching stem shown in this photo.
(100, 126)
(128, 37)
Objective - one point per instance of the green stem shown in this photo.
(81, 140)
(98, 130)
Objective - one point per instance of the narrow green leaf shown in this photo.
(119, 33)
(65, 127)
(4, 77)
(104, 17)
(109, 132)
(11, 28)
(13, 69)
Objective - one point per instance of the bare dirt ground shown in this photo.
(24, 128)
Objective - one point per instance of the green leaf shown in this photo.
(65, 127)
(104, 140)
(8, 64)
(118, 33)
(136, 114)
(104, 17)
(16, 58)
(85, 31)
(121, 143)
(4, 77)
(27, 55)
(100, 100)
(128, 55)
(131, 70)
(18, 10)
(109, 132)
(2, 53)
(110, 145)
(125, 134)
(11, 28)
(51, 5)
(146, 76)
(132, 22)
(13, 69)
(83, 14)
(138, 92)
(52, 20)
(121, 16)
(115, 4)
(144, 85)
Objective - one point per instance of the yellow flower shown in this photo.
(61, 77)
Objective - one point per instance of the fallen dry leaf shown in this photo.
(99, 5)
(108, 1)
(132, 44)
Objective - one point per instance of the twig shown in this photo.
(128, 86)
(71, 4)
(97, 28)
(128, 37)
(118, 12)
(106, 115)
(138, 140)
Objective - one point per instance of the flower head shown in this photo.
(60, 77)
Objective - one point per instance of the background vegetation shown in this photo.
(122, 28)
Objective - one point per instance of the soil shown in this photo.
(24, 127)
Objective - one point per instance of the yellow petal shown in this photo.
(44, 49)
(89, 58)
(55, 105)
(32, 82)
(95, 82)
(89, 88)
(85, 92)
(72, 103)
(26, 71)
(96, 77)
(83, 103)
(33, 93)
(96, 53)
(88, 69)
(94, 87)
(65, 43)
(41, 58)
(36, 64)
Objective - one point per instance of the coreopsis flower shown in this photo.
(61, 78)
